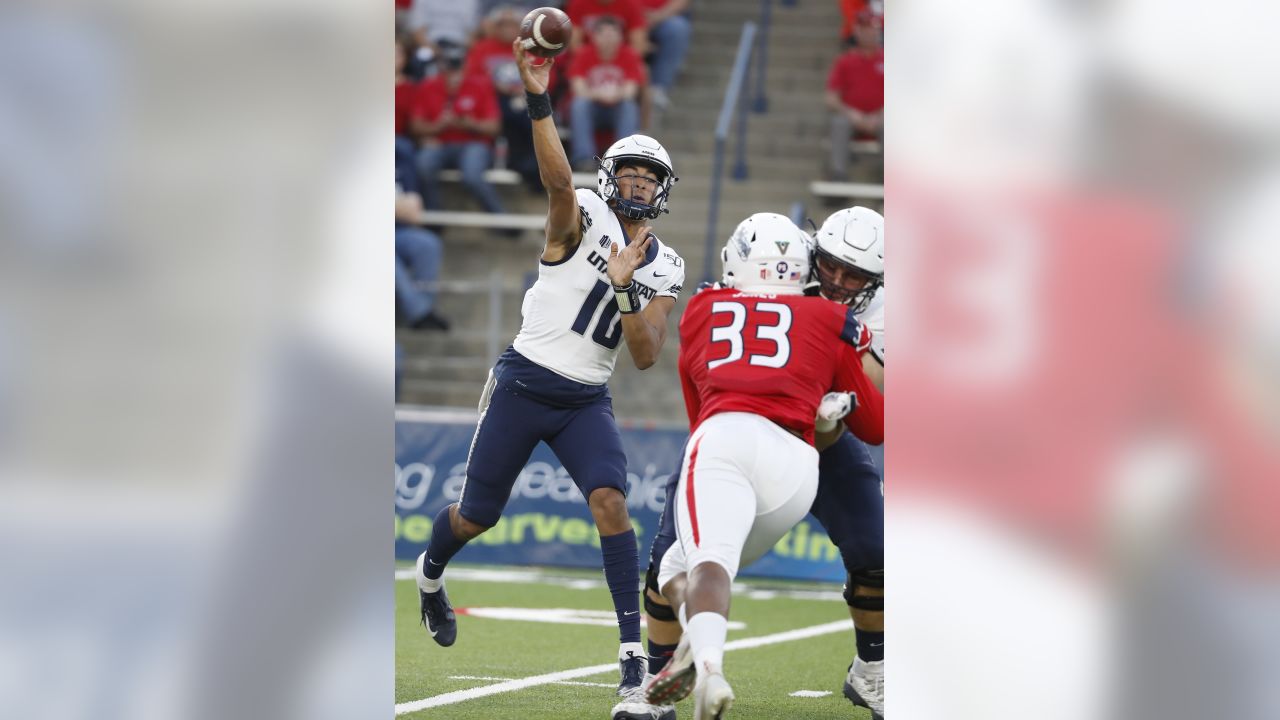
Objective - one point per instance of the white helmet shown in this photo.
(767, 253)
(852, 239)
(635, 149)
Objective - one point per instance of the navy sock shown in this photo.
(870, 645)
(659, 655)
(622, 573)
(442, 547)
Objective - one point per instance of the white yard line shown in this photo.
(458, 696)
(562, 682)
(534, 576)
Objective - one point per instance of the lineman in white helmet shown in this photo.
(756, 356)
(766, 253)
(849, 269)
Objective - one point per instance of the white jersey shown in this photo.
(571, 322)
(873, 318)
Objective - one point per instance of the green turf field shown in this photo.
(490, 651)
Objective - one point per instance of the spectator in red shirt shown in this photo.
(455, 122)
(669, 32)
(492, 56)
(606, 77)
(586, 14)
(406, 93)
(855, 92)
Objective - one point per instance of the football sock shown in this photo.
(659, 654)
(870, 645)
(626, 651)
(707, 631)
(622, 573)
(442, 547)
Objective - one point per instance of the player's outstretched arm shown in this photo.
(564, 230)
(644, 331)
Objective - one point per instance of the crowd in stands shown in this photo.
(855, 84)
(460, 105)
(460, 101)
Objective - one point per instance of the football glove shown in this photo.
(834, 406)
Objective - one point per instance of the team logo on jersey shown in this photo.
(604, 241)
(782, 247)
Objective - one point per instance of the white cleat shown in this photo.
(712, 697)
(864, 686)
(634, 706)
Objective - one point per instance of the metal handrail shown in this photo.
(762, 57)
(727, 109)
(494, 287)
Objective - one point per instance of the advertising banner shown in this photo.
(546, 521)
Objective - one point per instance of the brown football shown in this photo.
(545, 32)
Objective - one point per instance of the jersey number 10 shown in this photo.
(732, 333)
(601, 336)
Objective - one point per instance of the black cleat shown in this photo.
(632, 670)
(437, 617)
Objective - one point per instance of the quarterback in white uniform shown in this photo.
(603, 279)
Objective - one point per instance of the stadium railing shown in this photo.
(496, 221)
(865, 191)
(493, 287)
(734, 103)
(797, 214)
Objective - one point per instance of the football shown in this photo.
(545, 32)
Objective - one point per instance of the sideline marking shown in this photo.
(811, 693)
(458, 696)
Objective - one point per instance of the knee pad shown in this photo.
(864, 578)
(867, 578)
(658, 611)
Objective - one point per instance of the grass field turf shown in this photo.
(762, 678)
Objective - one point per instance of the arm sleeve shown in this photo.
(867, 419)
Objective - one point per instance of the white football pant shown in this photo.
(744, 483)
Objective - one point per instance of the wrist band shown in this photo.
(539, 105)
(628, 299)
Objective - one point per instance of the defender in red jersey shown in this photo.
(775, 355)
(755, 360)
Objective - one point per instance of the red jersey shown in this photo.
(858, 77)
(775, 356)
(473, 98)
(406, 102)
(493, 59)
(624, 66)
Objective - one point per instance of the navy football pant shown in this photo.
(585, 439)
